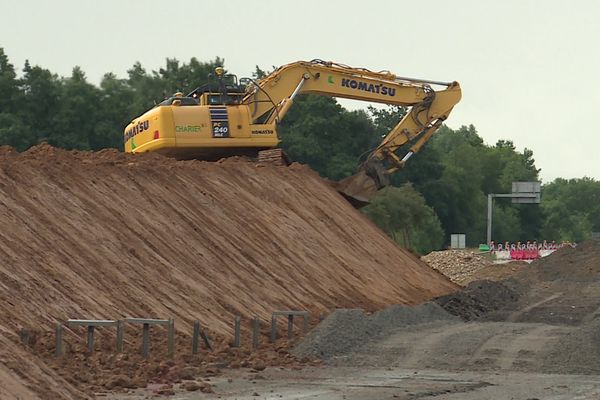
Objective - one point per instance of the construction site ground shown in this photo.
(355, 383)
(109, 235)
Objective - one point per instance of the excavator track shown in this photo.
(274, 157)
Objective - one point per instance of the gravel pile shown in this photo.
(458, 265)
(478, 299)
(463, 266)
(346, 330)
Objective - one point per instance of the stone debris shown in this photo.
(458, 265)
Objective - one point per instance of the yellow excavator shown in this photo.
(226, 117)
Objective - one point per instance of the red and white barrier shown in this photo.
(506, 255)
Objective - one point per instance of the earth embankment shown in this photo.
(110, 235)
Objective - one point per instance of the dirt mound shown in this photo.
(110, 235)
(568, 264)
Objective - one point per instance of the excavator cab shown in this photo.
(224, 91)
(208, 95)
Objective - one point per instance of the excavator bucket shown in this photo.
(361, 187)
(358, 189)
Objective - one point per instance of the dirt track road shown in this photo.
(332, 383)
(480, 346)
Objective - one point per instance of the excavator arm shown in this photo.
(270, 98)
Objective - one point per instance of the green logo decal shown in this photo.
(133, 146)
(330, 79)
(187, 128)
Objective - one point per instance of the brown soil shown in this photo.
(110, 235)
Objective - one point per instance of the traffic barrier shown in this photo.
(502, 255)
(525, 254)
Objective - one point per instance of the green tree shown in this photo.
(13, 130)
(78, 115)
(116, 109)
(9, 86)
(185, 77)
(41, 103)
(386, 118)
(456, 170)
(319, 132)
(571, 208)
(403, 214)
(151, 88)
(259, 73)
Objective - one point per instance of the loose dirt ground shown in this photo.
(110, 235)
(350, 383)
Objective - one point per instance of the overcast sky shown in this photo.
(529, 70)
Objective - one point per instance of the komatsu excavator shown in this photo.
(225, 118)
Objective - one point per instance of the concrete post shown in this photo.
(489, 217)
(58, 330)
(290, 332)
(171, 338)
(195, 337)
(237, 331)
(273, 328)
(206, 339)
(146, 341)
(305, 323)
(24, 335)
(119, 336)
(255, 332)
(90, 338)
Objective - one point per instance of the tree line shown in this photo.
(442, 190)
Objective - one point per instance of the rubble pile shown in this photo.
(458, 265)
